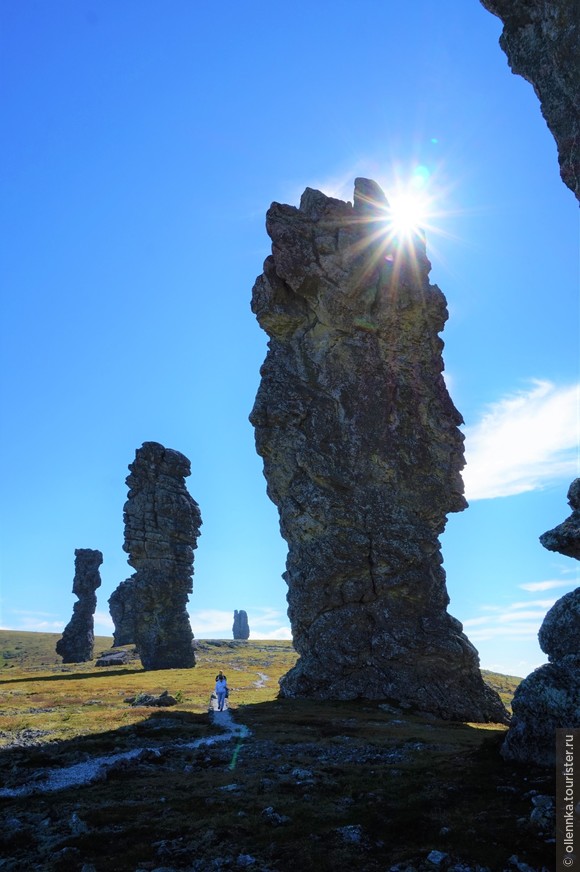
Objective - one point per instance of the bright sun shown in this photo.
(410, 205)
(408, 214)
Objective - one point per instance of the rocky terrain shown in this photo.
(362, 455)
(76, 645)
(294, 784)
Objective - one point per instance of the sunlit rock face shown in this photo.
(549, 698)
(162, 524)
(241, 627)
(77, 643)
(541, 41)
(362, 456)
(122, 610)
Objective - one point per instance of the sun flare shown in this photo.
(408, 213)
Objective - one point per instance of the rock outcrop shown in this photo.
(565, 538)
(241, 628)
(549, 698)
(363, 457)
(542, 44)
(78, 639)
(122, 610)
(162, 524)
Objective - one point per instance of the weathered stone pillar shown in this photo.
(363, 457)
(122, 610)
(241, 627)
(78, 639)
(162, 524)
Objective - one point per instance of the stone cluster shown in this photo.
(541, 42)
(162, 524)
(362, 455)
(549, 698)
(122, 611)
(241, 627)
(78, 639)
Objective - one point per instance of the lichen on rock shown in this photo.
(162, 524)
(362, 456)
(78, 638)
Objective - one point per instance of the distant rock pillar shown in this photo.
(363, 456)
(122, 610)
(549, 698)
(241, 628)
(78, 639)
(162, 524)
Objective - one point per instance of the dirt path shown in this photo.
(48, 780)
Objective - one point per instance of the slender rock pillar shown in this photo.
(78, 639)
(363, 457)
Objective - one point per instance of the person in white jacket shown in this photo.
(221, 689)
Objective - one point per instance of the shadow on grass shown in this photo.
(158, 728)
(73, 676)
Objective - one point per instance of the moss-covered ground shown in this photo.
(314, 786)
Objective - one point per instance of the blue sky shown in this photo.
(142, 144)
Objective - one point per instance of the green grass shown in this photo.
(352, 785)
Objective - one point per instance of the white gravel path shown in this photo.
(48, 780)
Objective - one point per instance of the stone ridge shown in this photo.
(363, 457)
(77, 642)
(541, 39)
(162, 524)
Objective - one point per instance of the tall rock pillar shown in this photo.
(162, 524)
(362, 456)
(78, 638)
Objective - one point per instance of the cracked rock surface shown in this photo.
(362, 456)
(162, 524)
(541, 39)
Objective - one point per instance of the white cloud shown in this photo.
(520, 620)
(534, 586)
(103, 624)
(35, 622)
(523, 442)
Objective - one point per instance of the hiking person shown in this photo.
(221, 689)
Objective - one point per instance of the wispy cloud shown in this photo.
(34, 622)
(103, 624)
(535, 586)
(523, 442)
(520, 620)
